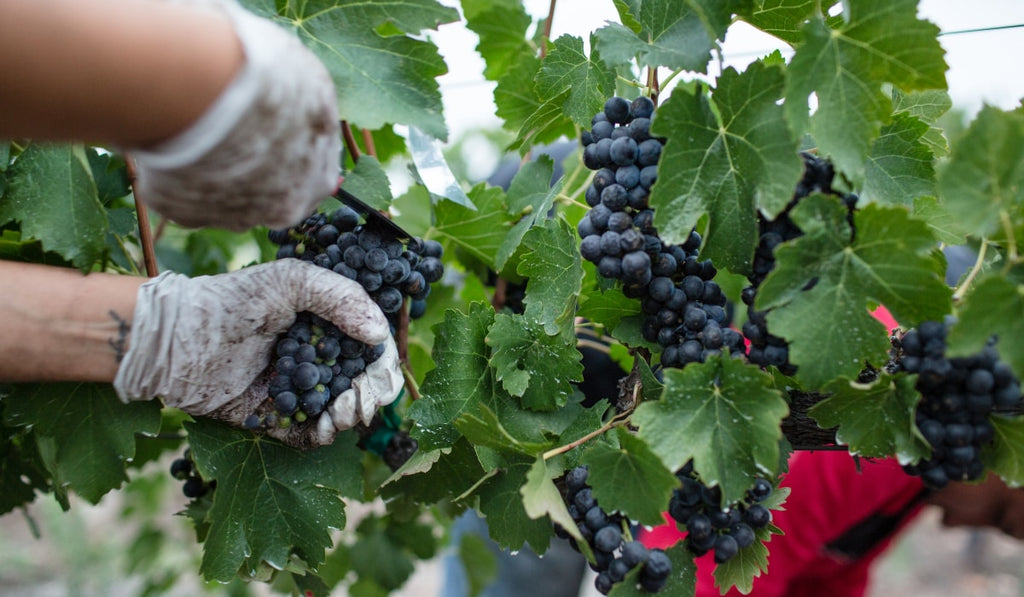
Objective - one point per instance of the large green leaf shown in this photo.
(85, 433)
(677, 34)
(479, 232)
(887, 261)
(984, 177)
(630, 479)
(554, 267)
(502, 28)
(461, 378)
(725, 160)
(568, 69)
(482, 427)
(876, 420)
(538, 368)
(507, 519)
(271, 501)
(379, 78)
(50, 191)
(900, 166)
(428, 477)
(879, 41)
(724, 415)
(926, 105)
(541, 499)
(515, 98)
(368, 181)
(530, 196)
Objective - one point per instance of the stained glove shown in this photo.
(267, 150)
(204, 344)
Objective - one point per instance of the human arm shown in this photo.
(201, 344)
(231, 121)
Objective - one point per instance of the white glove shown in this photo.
(204, 344)
(267, 150)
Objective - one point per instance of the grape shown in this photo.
(389, 299)
(181, 468)
(617, 110)
(194, 488)
(305, 354)
(726, 548)
(306, 376)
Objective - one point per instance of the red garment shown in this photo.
(828, 497)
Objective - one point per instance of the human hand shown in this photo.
(204, 344)
(265, 153)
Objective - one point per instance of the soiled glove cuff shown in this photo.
(266, 152)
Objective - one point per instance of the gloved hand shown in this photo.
(267, 150)
(204, 344)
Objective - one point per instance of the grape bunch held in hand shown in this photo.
(316, 364)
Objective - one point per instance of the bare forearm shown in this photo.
(62, 326)
(127, 72)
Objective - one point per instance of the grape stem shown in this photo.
(410, 382)
(547, 29)
(145, 231)
(978, 263)
(1011, 242)
(350, 141)
(615, 421)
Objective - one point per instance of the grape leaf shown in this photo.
(927, 105)
(542, 499)
(900, 166)
(545, 124)
(460, 379)
(482, 427)
(888, 263)
(379, 79)
(428, 477)
(553, 264)
(22, 470)
(271, 501)
(377, 543)
(588, 81)
(630, 479)
(1005, 455)
(368, 181)
(50, 191)
(784, 19)
(984, 177)
(879, 41)
(749, 563)
(529, 197)
(876, 420)
(514, 95)
(501, 27)
(994, 306)
(673, 34)
(83, 431)
(110, 175)
(726, 161)
(532, 365)
(501, 502)
(479, 232)
(724, 415)
(943, 225)
(608, 307)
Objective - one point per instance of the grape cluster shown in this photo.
(384, 266)
(184, 469)
(957, 396)
(709, 526)
(684, 306)
(765, 348)
(614, 556)
(315, 361)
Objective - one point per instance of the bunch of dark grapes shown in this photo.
(614, 556)
(194, 486)
(958, 395)
(765, 348)
(684, 306)
(315, 361)
(709, 526)
(388, 269)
